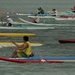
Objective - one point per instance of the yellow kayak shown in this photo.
(16, 34)
(10, 44)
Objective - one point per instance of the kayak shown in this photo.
(9, 44)
(16, 34)
(41, 16)
(65, 17)
(57, 17)
(27, 27)
(47, 14)
(67, 41)
(43, 24)
(61, 18)
(39, 59)
(37, 24)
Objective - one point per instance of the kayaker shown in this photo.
(40, 11)
(54, 12)
(35, 19)
(73, 9)
(9, 21)
(23, 50)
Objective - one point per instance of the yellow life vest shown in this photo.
(27, 51)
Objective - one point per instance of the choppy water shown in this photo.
(49, 39)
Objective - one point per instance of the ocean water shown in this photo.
(28, 6)
(49, 38)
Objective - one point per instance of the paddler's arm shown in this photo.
(17, 45)
(23, 47)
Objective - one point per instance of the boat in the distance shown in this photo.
(26, 27)
(60, 16)
(42, 24)
(64, 17)
(16, 34)
(67, 40)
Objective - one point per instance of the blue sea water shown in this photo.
(49, 39)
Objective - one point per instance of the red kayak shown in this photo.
(67, 41)
(30, 60)
(39, 59)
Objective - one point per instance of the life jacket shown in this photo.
(26, 52)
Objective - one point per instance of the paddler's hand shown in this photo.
(14, 49)
(13, 42)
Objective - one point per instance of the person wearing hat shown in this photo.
(9, 21)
